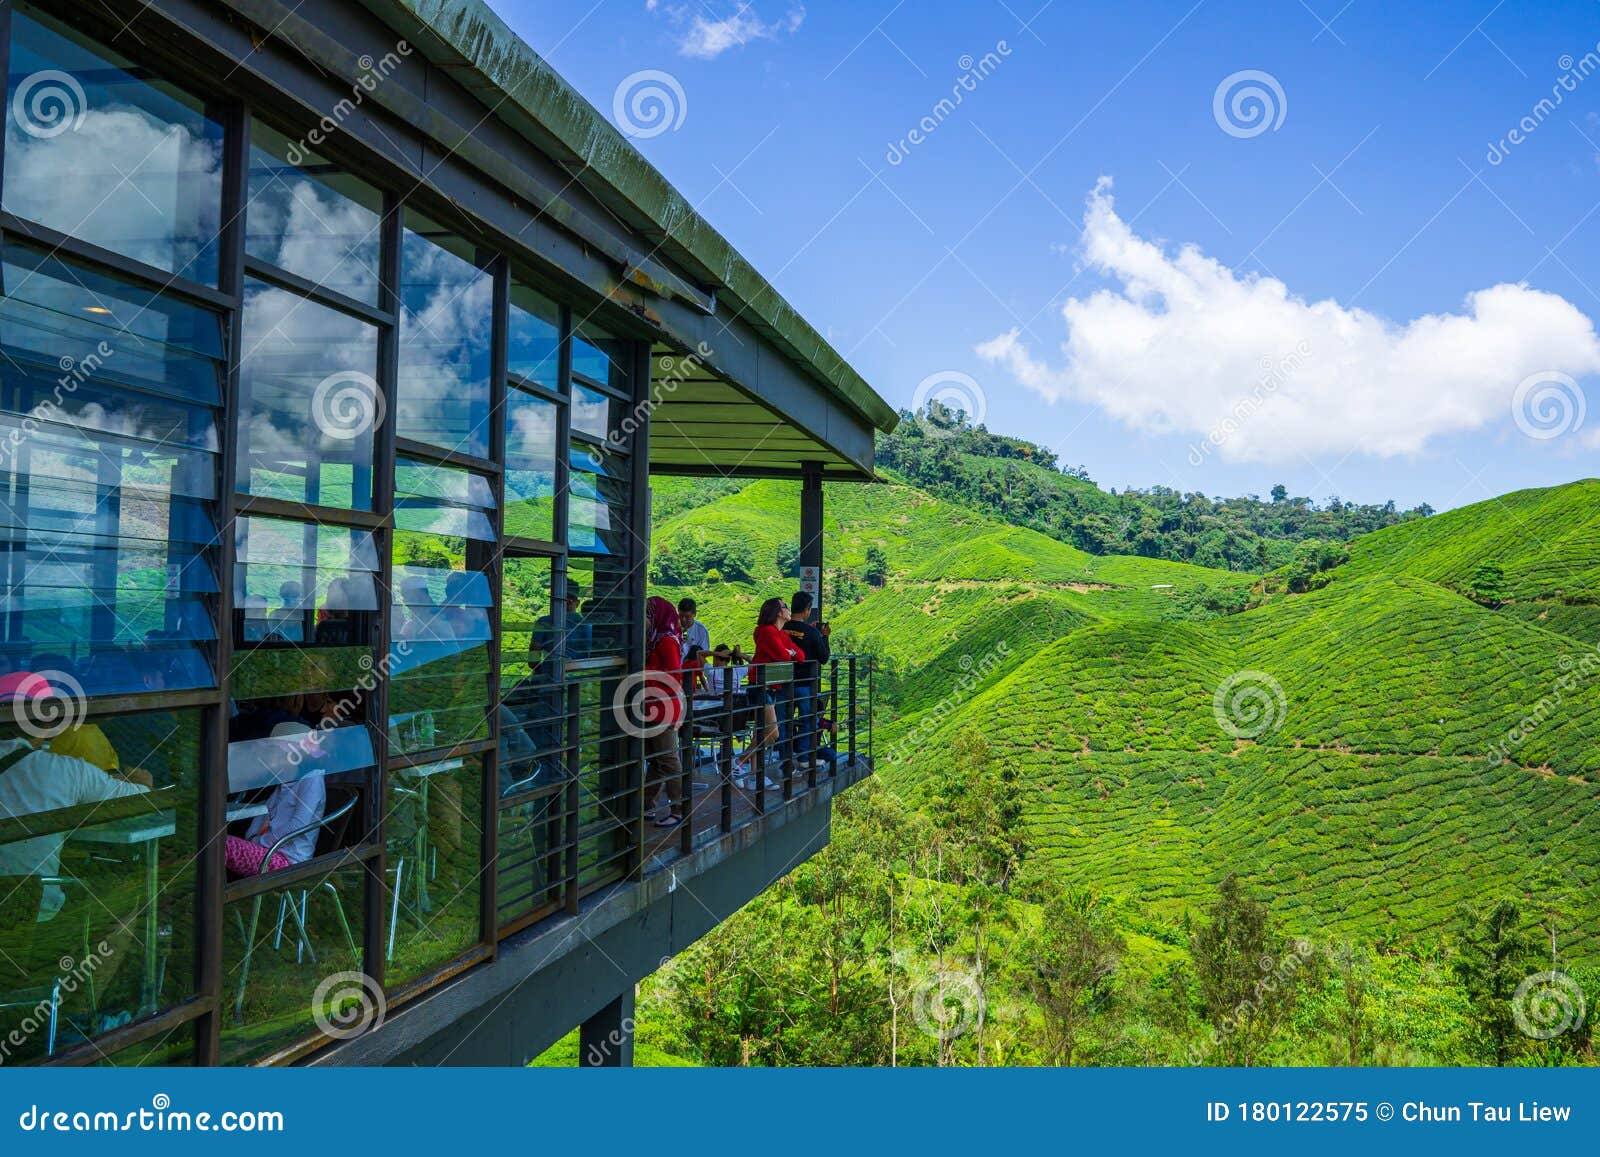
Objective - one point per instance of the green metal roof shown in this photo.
(530, 96)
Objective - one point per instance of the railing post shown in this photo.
(871, 705)
(725, 749)
(786, 734)
(755, 752)
(852, 693)
(833, 714)
(686, 761)
(808, 721)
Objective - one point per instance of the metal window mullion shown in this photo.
(211, 880)
(488, 889)
(560, 526)
(383, 470)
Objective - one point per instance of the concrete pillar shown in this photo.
(811, 525)
(605, 1040)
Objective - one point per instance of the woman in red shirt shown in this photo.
(663, 709)
(772, 646)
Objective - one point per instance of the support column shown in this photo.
(605, 1040)
(811, 525)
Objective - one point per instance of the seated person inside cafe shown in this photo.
(294, 810)
(47, 914)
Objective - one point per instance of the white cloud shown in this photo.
(707, 39)
(1181, 343)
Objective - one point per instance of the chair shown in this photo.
(20, 897)
(330, 831)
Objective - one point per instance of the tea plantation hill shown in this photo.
(1370, 808)
(1547, 542)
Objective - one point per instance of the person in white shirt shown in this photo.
(694, 631)
(39, 781)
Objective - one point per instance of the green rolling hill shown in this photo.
(1546, 540)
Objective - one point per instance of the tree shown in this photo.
(1248, 973)
(788, 559)
(1070, 961)
(1487, 585)
(1355, 982)
(876, 571)
(1494, 953)
(1280, 493)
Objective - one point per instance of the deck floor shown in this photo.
(703, 819)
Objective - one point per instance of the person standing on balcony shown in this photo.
(772, 646)
(663, 664)
(695, 633)
(813, 643)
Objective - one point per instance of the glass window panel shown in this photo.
(601, 359)
(532, 850)
(532, 710)
(531, 428)
(604, 801)
(440, 627)
(305, 597)
(98, 150)
(434, 838)
(311, 219)
(595, 414)
(103, 535)
(270, 981)
(446, 317)
(98, 829)
(533, 350)
(311, 401)
(597, 505)
(598, 611)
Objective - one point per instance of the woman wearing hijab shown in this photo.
(663, 708)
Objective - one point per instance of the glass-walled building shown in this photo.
(324, 491)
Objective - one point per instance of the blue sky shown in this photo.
(1285, 343)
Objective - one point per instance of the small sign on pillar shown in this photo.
(811, 581)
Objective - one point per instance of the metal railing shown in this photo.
(751, 739)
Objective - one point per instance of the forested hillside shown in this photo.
(1016, 480)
